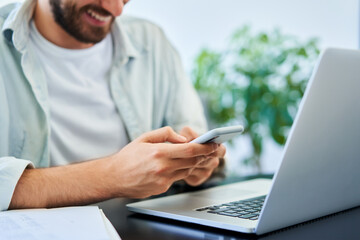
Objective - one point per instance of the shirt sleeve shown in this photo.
(11, 170)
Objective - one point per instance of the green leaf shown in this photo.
(259, 78)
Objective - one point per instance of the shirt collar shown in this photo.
(125, 46)
(17, 26)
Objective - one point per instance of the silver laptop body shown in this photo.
(320, 169)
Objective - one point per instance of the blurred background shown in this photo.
(250, 62)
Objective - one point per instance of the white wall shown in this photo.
(192, 24)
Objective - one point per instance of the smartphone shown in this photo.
(219, 135)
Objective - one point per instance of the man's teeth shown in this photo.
(98, 17)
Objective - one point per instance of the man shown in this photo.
(77, 83)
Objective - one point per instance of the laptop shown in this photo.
(320, 169)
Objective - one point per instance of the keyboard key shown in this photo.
(225, 209)
(213, 212)
(243, 212)
(230, 211)
(229, 214)
(246, 207)
(217, 211)
(251, 211)
(241, 205)
(248, 216)
(201, 209)
(234, 207)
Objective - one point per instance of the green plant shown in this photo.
(258, 81)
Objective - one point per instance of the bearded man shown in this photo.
(93, 105)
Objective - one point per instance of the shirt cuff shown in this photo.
(11, 170)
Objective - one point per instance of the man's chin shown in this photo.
(92, 36)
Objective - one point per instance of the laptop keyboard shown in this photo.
(246, 209)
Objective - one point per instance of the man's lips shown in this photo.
(97, 18)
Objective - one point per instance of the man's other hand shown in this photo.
(206, 164)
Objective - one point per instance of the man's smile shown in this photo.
(97, 18)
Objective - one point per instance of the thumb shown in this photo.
(189, 133)
(165, 134)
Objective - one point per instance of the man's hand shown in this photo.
(150, 164)
(207, 164)
(147, 166)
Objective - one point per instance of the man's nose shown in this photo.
(115, 7)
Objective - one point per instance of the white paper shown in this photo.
(109, 227)
(58, 223)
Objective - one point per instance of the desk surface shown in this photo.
(130, 226)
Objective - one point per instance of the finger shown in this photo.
(209, 163)
(181, 174)
(185, 163)
(165, 134)
(189, 133)
(198, 176)
(220, 152)
(188, 150)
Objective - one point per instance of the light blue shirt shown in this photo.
(147, 82)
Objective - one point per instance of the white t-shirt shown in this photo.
(85, 123)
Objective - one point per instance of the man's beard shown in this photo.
(69, 18)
